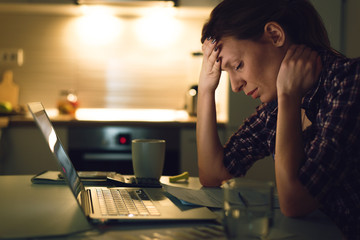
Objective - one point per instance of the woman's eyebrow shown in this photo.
(224, 65)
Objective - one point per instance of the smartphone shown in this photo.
(98, 175)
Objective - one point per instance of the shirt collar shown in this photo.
(270, 107)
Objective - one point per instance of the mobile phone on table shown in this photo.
(98, 175)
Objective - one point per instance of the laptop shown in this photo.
(104, 204)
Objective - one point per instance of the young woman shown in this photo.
(309, 119)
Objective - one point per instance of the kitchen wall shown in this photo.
(121, 57)
(352, 28)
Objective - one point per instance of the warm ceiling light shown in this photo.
(166, 3)
(98, 26)
(159, 28)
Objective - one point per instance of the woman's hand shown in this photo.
(210, 151)
(211, 66)
(298, 72)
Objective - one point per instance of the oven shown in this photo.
(108, 148)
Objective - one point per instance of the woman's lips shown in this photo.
(253, 93)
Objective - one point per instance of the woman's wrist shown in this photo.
(204, 92)
(285, 98)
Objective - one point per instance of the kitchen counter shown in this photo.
(22, 139)
(108, 116)
(4, 121)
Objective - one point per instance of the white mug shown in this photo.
(148, 156)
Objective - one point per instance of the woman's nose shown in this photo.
(237, 85)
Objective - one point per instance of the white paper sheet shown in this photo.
(208, 197)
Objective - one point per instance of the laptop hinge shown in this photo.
(86, 202)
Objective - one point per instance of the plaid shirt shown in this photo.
(331, 170)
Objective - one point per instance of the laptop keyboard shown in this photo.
(125, 202)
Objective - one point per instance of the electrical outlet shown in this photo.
(11, 56)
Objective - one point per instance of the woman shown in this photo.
(309, 119)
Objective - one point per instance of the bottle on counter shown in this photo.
(191, 100)
(68, 102)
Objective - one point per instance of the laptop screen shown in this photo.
(56, 147)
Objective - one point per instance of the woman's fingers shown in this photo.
(208, 46)
(211, 50)
(211, 54)
(299, 70)
(211, 70)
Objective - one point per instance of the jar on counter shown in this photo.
(68, 102)
(191, 100)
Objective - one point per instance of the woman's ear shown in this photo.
(275, 34)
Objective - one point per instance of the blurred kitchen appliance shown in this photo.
(191, 100)
(108, 148)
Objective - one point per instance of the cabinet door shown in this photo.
(188, 152)
(23, 150)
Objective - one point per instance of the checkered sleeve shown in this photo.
(250, 142)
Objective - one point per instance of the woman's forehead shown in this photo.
(230, 44)
(230, 48)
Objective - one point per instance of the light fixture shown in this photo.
(130, 2)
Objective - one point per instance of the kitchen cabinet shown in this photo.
(188, 153)
(24, 151)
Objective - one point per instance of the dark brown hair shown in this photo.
(246, 19)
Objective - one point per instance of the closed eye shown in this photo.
(241, 64)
